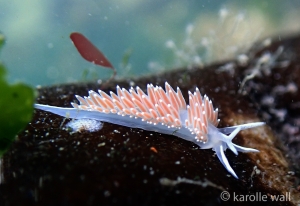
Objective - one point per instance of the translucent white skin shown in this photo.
(218, 138)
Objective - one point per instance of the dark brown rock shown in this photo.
(118, 165)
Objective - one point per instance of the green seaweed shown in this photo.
(16, 103)
(125, 58)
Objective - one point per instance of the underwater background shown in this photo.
(138, 37)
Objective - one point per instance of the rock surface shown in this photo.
(49, 165)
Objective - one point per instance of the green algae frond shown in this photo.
(16, 103)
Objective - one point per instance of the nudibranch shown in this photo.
(163, 111)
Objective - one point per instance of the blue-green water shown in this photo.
(39, 51)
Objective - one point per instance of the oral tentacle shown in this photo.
(244, 149)
(223, 159)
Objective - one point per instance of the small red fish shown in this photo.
(90, 52)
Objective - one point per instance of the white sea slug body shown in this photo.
(163, 111)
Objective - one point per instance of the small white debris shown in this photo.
(267, 100)
(170, 44)
(81, 125)
(168, 182)
(292, 87)
(223, 13)
(229, 67)
(267, 42)
(99, 81)
(242, 59)
(101, 144)
(132, 83)
(189, 29)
